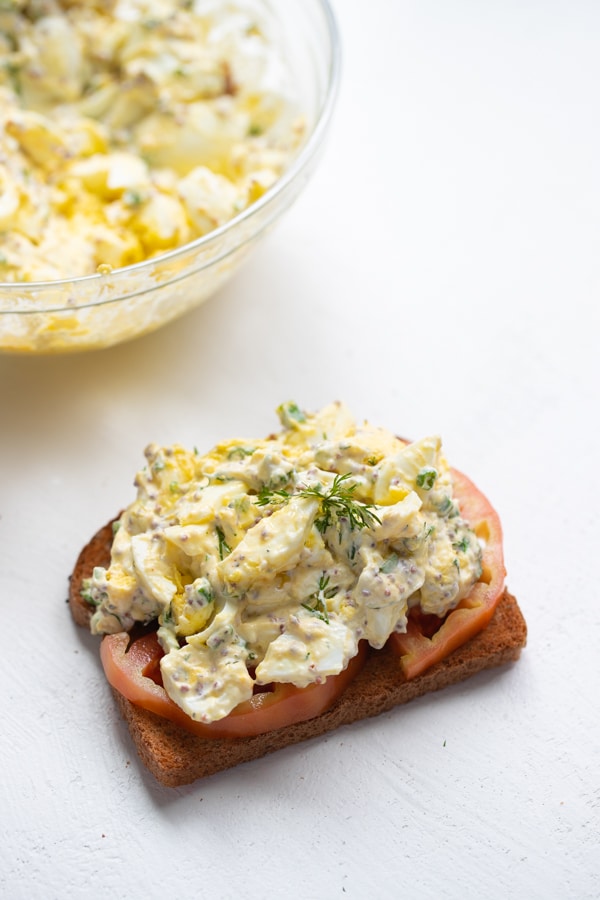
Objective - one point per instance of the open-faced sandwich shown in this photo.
(272, 590)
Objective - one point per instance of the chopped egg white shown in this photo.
(269, 560)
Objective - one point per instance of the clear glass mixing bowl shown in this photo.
(100, 310)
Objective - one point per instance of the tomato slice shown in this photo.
(424, 645)
(135, 673)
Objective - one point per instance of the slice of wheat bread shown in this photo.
(176, 757)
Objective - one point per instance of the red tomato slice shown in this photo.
(135, 673)
(419, 648)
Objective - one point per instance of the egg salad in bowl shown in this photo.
(144, 146)
(269, 561)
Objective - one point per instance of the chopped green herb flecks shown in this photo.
(426, 477)
(390, 564)
(461, 545)
(86, 592)
(240, 452)
(224, 547)
(448, 508)
(132, 198)
(290, 415)
(205, 592)
(316, 603)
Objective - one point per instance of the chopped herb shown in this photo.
(390, 564)
(290, 414)
(319, 610)
(426, 478)
(168, 617)
(13, 70)
(461, 545)
(372, 461)
(448, 508)
(132, 198)
(158, 465)
(456, 563)
(115, 526)
(316, 603)
(271, 493)
(278, 481)
(224, 547)
(240, 452)
(255, 130)
(205, 592)
(174, 487)
(328, 592)
(86, 592)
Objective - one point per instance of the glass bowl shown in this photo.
(101, 310)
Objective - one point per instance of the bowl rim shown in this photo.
(307, 151)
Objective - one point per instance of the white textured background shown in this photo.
(441, 273)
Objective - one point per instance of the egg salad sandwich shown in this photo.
(272, 590)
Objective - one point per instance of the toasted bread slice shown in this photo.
(176, 757)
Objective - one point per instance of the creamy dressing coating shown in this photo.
(130, 127)
(269, 560)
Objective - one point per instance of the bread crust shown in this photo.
(176, 757)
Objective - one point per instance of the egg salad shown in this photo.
(269, 560)
(130, 127)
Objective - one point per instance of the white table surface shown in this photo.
(440, 274)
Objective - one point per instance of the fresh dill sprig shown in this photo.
(339, 503)
(267, 496)
(335, 503)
